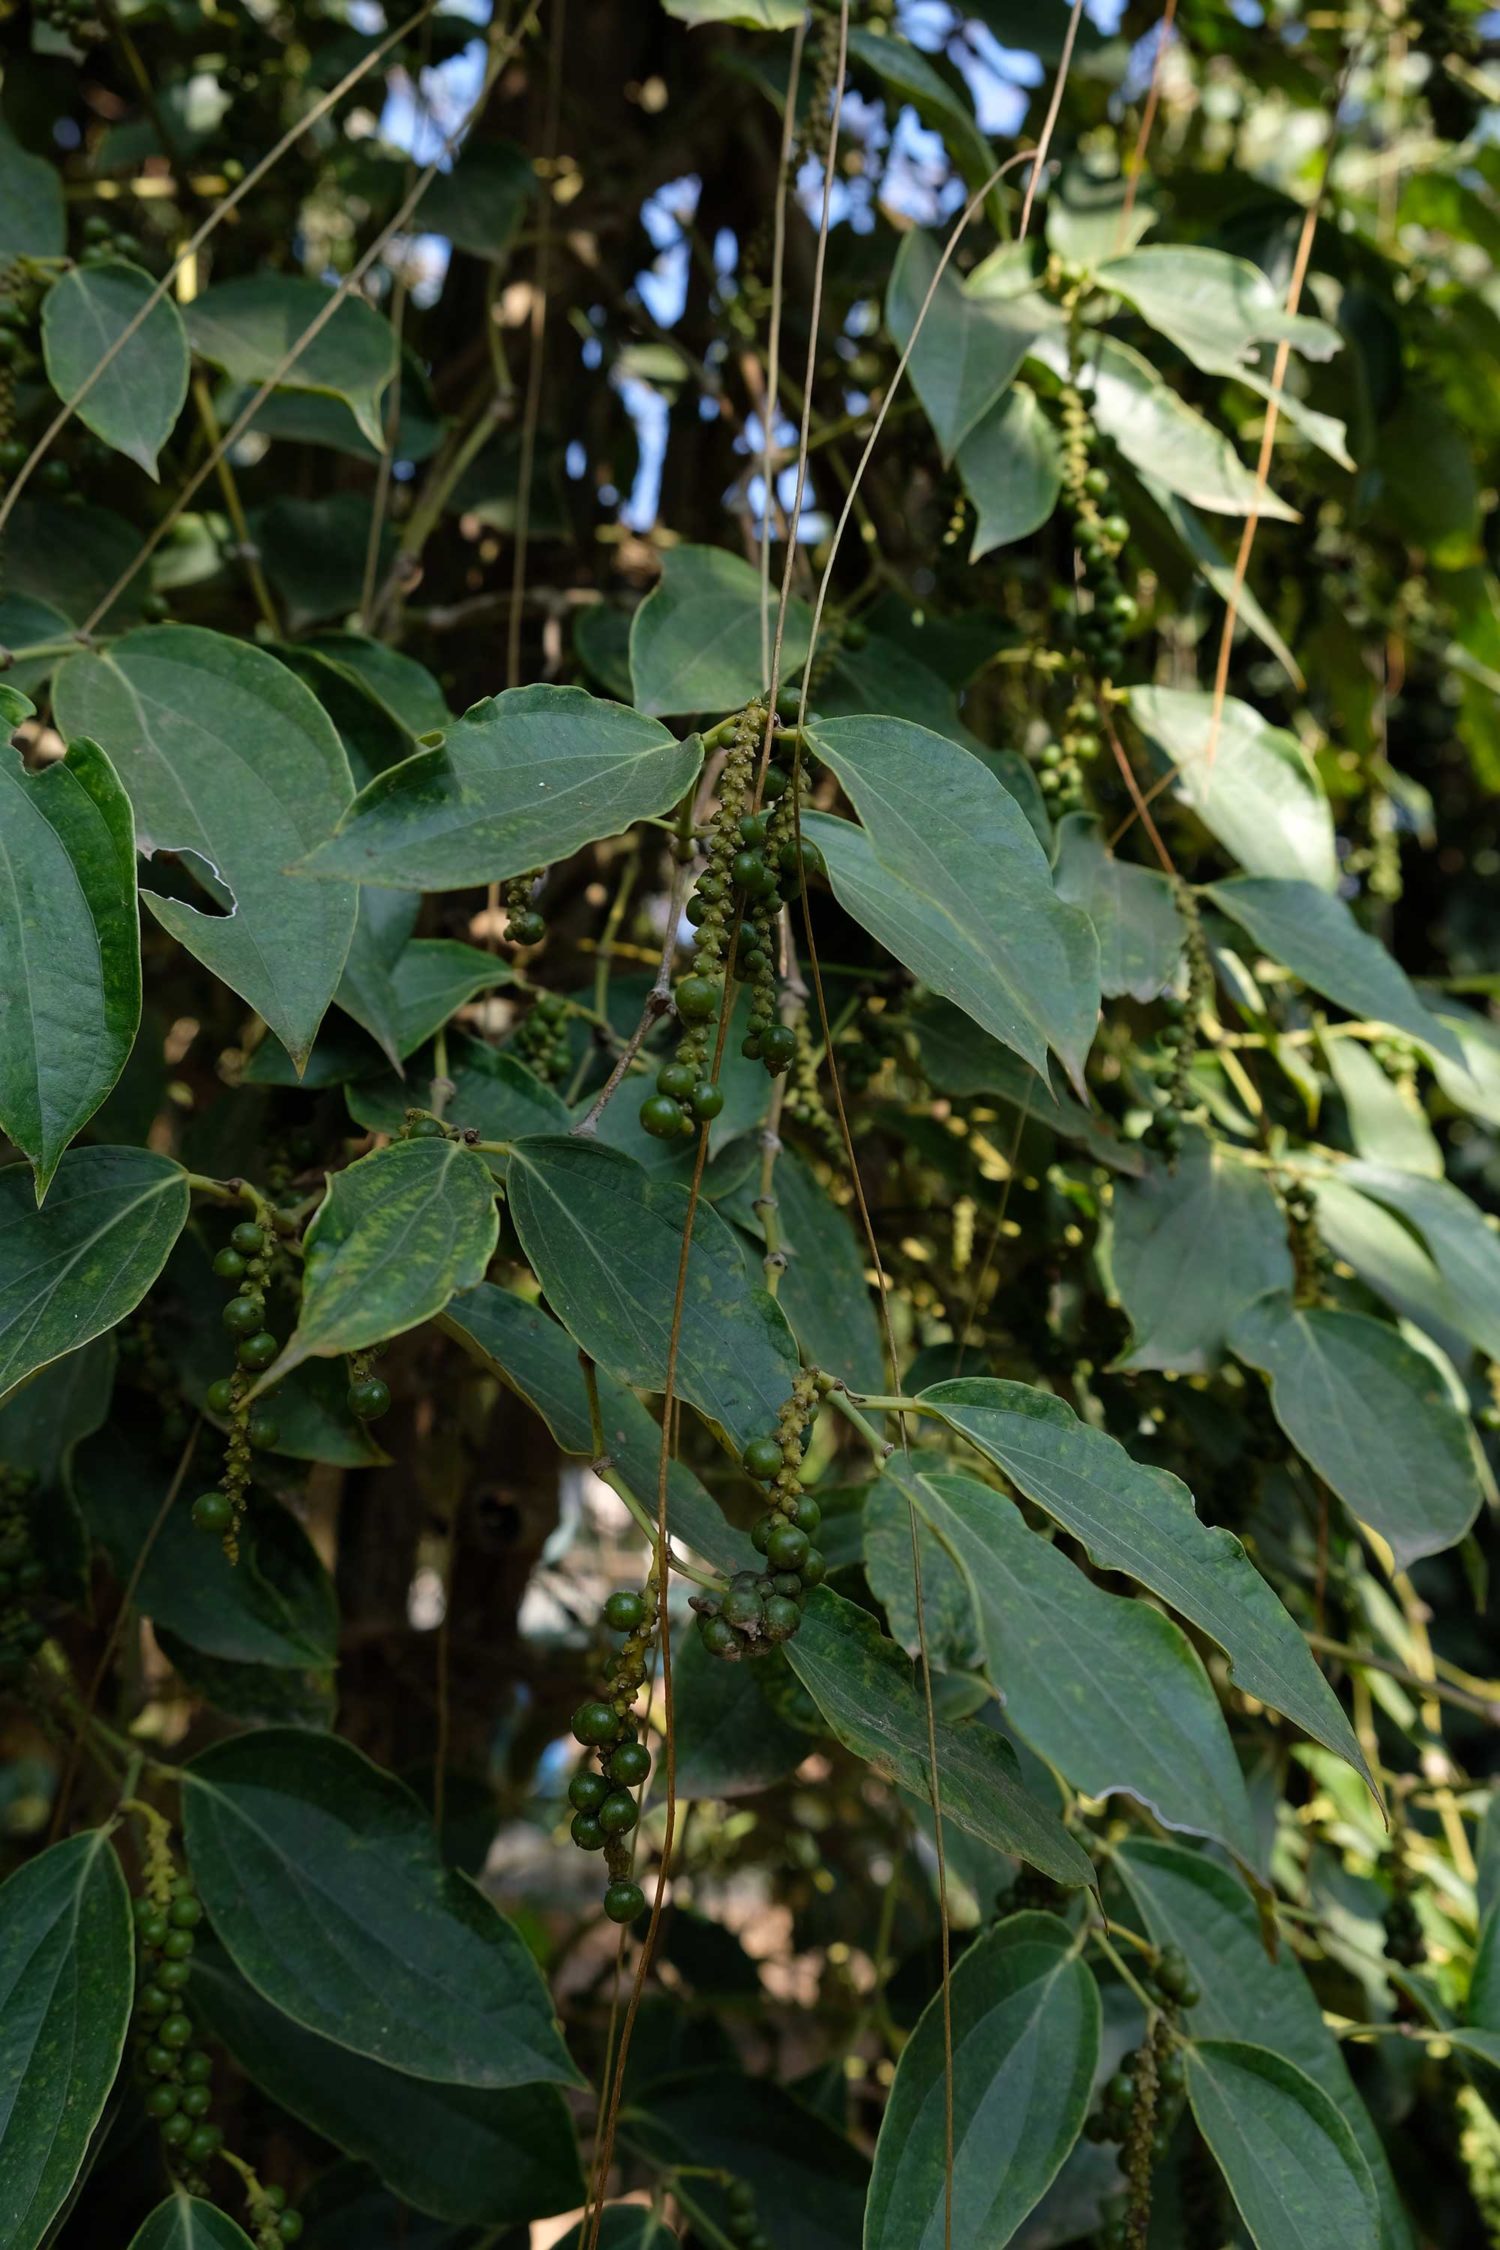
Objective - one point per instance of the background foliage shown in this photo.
(1062, 1182)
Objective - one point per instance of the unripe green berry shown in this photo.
(630, 1764)
(677, 1079)
(707, 1099)
(624, 1610)
(587, 1833)
(242, 1316)
(782, 1618)
(220, 1396)
(697, 999)
(248, 1238)
(213, 1512)
(762, 1457)
(624, 1901)
(787, 1546)
(617, 1815)
(587, 1790)
(661, 1117)
(594, 1722)
(229, 1266)
(257, 1352)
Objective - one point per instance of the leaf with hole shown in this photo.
(1373, 1416)
(133, 403)
(85, 1260)
(70, 948)
(605, 1240)
(947, 874)
(523, 779)
(1025, 2032)
(863, 1685)
(248, 326)
(1142, 1521)
(67, 1980)
(396, 1236)
(324, 1885)
(229, 761)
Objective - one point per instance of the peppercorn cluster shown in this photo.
(1404, 1942)
(617, 1762)
(541, 1038)
(245, 1262)
(1061, 761)
(761, 1609)
(23, 1577)
(742, 2222)
(1100, 535)
(753, 865)
(1180, 1035)
(525, 924)
(1141, 2101)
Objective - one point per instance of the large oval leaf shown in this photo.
(605, 1241)
(1185, 1900)
(520, 780)
(947, 874)
(134, 402)
(67, 1978)
(1258, 794)
(1011, 466)
(1182, 1306)
(248, 326)
(395, 1237)
(185, 2222)
(228, 758)
(486, 2156)
(865, 1689)
(1373, 1416)
(1318, 939)
(1142, 1521)
(70, 947)
(1132, 908)
(695, 641)
(79, 1265)
(325, 1886)
(1132, 1710)
(969, 347)
(1025, 2015)
(1292, 2164)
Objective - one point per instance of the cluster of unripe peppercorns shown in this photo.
(753, 863)
(1100, 534)
(23, 1576)
(1060, 763)
(179, 2092)
(601, 1791)
(741, 2223)
(761, 1609)
(541, 1038)
(1180, 1034)
(1139, 2104)
(524, 923)
(245, 1261)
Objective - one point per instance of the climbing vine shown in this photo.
(749, 1290)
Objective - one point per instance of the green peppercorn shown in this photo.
(617, 1815)
(812, 1569)
(213, 1511)
(661, 1117)
(782, 1618)
(743, 1605)
(229, 1266)
(177, 2031)
(719, 1638)
(197, 2068)
(787, 1546)
(763, 1458)
(629, 1765)
(595, 1722)
(172, 1976)
(587, 1790)
(257, 1352)
(677, 1079)
(161, 2101)
(587, 1833)
(624, 1901)
(243, 1316)
(262, 1429)
(220, 1396)
(707, 1099)
(197, 2101)
(369, 1398)
(624, 1611)
(204, 2142)
(697, 999)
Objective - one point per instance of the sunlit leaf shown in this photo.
(249, 325)
(1182, 1305)
(133, 404)
(696, 641)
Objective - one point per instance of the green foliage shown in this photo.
(750, 1356)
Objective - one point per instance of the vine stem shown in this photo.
(194, 244)
(532, 407)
